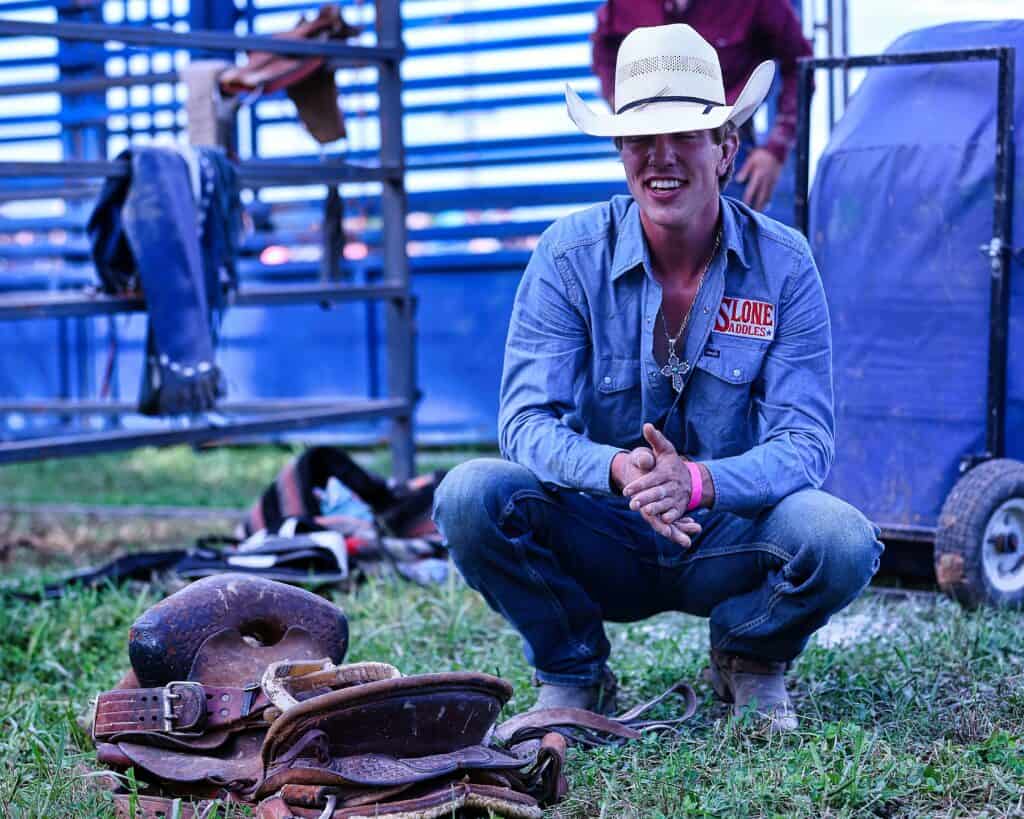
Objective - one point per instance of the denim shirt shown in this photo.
(580, 377)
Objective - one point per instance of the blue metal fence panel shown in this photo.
(486, 134)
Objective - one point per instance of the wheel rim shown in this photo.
(1003, 547)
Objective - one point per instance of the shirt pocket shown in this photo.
(619, 401)
(720, 405)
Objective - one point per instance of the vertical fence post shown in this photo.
(399, 331)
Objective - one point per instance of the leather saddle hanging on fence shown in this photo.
(308, 81)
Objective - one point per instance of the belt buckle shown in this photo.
(169, 716)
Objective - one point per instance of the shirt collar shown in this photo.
(732, 231)
(631, 249)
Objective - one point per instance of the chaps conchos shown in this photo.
(237, 693)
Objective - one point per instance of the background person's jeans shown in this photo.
(556, 563)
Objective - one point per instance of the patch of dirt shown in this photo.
(45, 540)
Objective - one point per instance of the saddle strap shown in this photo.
(132, 806)
(449, 799)
(446, 801)
(178, 707)
(589, 729)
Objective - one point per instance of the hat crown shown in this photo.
(667, 61)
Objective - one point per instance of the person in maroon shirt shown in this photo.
(743, 32)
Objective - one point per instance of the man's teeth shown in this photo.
(664, 184)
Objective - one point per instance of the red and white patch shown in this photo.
(746, 317)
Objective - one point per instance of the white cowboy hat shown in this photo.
(667, 80)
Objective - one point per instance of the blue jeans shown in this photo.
(557, 563)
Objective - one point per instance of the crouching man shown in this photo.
(666, 411)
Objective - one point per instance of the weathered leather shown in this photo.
(747, 682)
(165, 642)
(282, 722)
(449, 800)
(588, 728)
(308, 80)
(176, 707)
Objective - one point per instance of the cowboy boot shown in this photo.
(756, 684)
(600, 698)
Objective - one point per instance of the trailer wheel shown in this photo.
(979, 545)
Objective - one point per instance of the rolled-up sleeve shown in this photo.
(546, 357)
(793, 406)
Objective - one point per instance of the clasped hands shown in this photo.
(657, 483)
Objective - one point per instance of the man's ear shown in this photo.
(730, 147)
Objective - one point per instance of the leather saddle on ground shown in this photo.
(238, 693)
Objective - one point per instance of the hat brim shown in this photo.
(670, 117)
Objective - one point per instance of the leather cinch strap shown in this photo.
(178, 707)
(589, 729)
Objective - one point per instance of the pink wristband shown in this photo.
(696, 486)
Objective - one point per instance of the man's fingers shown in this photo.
(653, 495)
(688, 525)
(672, 515)
(644, 482)
(663, 529)
(750, 192)
(659, 507)
(758, 198)
(680, 537)
(744, 172)
(642, 458)
(659, 443)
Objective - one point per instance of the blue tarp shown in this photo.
(902, 202)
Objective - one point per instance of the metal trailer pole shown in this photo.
(400, 353)
(805, 81)
(844, 15)
(999, 253)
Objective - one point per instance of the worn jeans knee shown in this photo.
(473, 499)
(834, 546)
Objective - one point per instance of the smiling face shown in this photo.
(674, 178)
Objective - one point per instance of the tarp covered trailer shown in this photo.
(915, 221)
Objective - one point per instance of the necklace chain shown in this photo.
(673, 340)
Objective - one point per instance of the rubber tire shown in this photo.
(965, 514)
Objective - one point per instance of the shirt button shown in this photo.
(706, 310)
(736, 373)
(653, 373)
(608, 378)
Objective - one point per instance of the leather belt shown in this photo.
(181, 707)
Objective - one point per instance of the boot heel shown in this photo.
(712, 675)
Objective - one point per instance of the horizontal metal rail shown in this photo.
(50, 304)
(92, 84)
(199, 39)
(917, 534)
(38, 449)
(960, 55)
(100, 407)
(249, 173)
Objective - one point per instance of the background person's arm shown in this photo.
(781, 37)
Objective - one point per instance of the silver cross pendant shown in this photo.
(675, 370)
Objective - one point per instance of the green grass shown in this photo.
(176, 476)
(909, 706)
